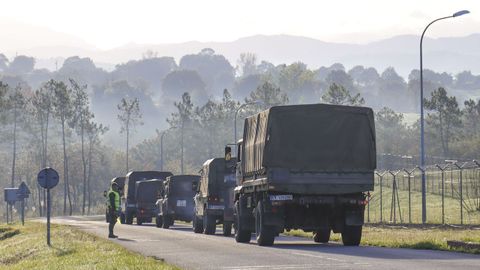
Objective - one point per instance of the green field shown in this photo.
(434, 208)
(24, 247)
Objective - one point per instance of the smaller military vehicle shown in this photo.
(176, 202)
(147, 192)
(121, 183)
(214, 197)
(130, 202)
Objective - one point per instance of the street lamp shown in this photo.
(257, 102)
(161, 145)
(422, 134)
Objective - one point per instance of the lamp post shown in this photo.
(161, 146)
(257, 102)
(422, 134)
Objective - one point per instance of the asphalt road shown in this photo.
(180, 246)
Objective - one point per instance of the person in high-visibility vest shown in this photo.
(113, 204)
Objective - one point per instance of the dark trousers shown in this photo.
(112, 220)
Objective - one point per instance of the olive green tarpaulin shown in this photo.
(310, 138)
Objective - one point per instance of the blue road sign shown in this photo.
(48, 178)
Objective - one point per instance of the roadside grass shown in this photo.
(24, 247)
(428, 237)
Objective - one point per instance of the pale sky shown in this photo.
(107, 24)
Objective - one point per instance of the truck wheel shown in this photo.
(265, 234)
(166, 222)
(129, 219)
(322, 236)
(122, 218)
(197, 224)
(139, 221)
(227, 228)
(351, 235)
(241, 235)
(159, 221)
(209, 224)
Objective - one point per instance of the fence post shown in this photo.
(409, 173)
(443, 191)
(380, 176)
(461, 190)
(395, 199)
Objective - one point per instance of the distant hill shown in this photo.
(402, 52)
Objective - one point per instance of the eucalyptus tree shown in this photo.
(62, 108)
(40, 109)
(80, 119)
(129, 116)
(16, 104)
(93, 132)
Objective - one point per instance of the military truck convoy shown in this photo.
(306, 167)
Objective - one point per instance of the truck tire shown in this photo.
(241, 235)
(197, 225)
(351, 235)
(159, 221)
(227, 228)
(265, 234)
(209, 225)
(322, 236)
(128, 219)
(166, 222)
(139, 221)
(122, 218)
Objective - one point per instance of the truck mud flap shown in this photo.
(272, 219)
(354, 218)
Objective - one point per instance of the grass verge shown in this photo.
(24, 247)
(434, 238)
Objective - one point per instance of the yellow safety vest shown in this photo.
(117, 199)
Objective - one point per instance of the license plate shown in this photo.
(281, 197)
(181, 203)
(216, 207)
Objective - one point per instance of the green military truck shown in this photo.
(305, 167)
(214, 197)
(176, 202)
(130, 202)
(146, 195)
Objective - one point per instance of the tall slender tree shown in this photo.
(62, 104)
(129, 116)
(16, 104)
(93, 131)
(81, 118)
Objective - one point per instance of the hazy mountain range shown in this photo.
(453, 54)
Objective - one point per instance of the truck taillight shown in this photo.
(213, 199)
(363, 202)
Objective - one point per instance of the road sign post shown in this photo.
(48, 178)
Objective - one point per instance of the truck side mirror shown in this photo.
(194, 185)
(105, 193)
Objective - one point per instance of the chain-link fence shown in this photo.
(452, 195)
